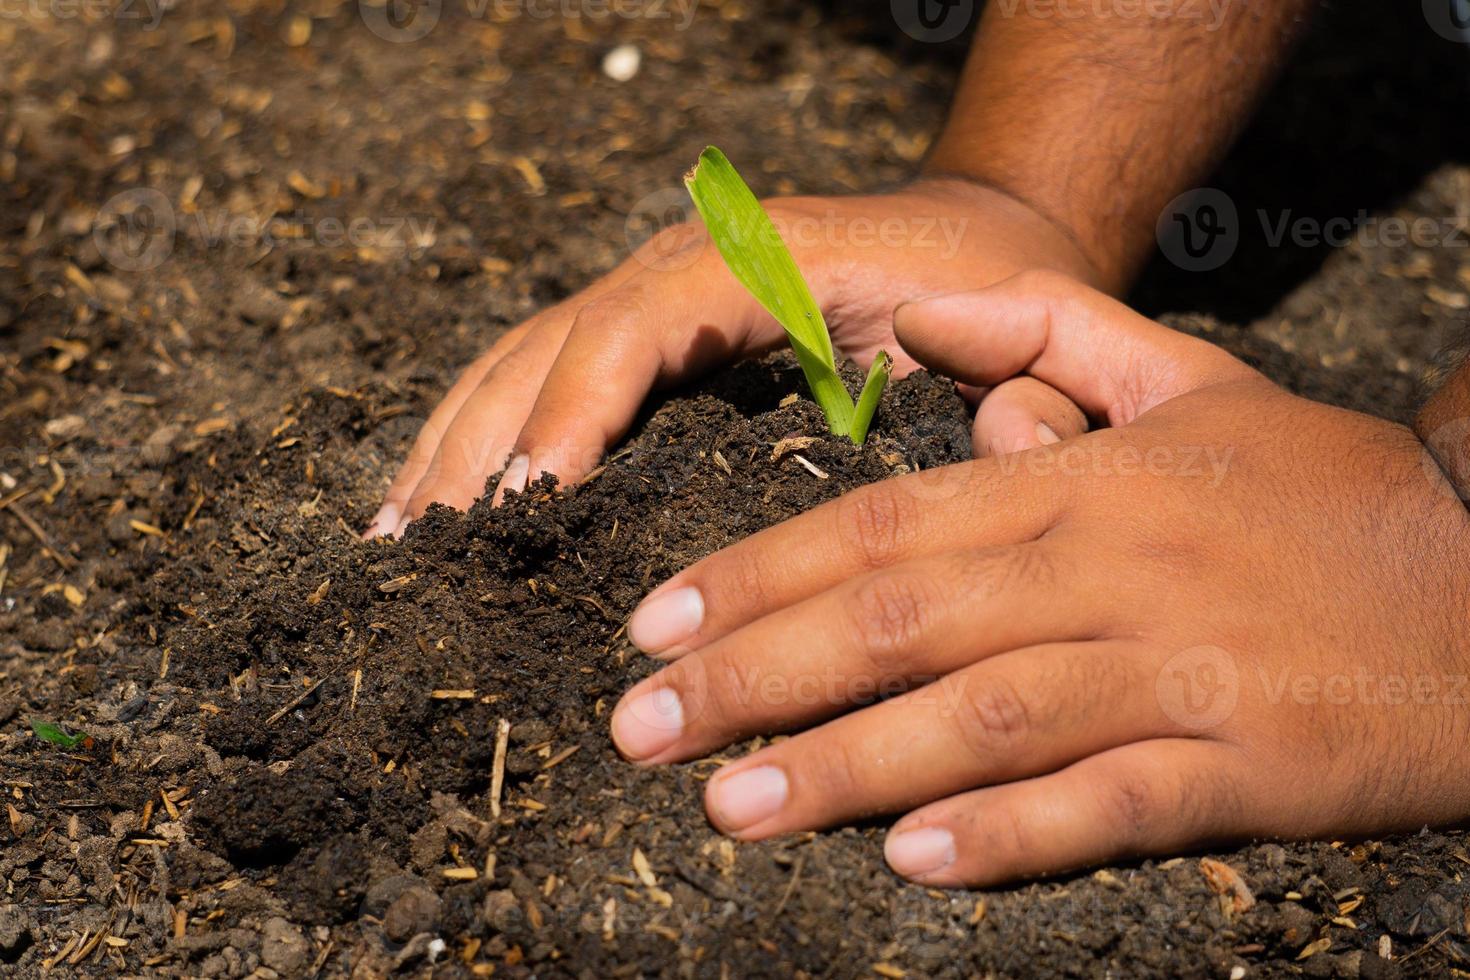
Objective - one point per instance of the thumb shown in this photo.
(1112, 362)
(1021, 414)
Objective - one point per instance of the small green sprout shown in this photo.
(56, 735)
(752, 248)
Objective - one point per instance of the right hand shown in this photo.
(1233, 614)
(555, 392)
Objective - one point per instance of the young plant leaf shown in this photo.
(867, 403)
(55, 735)
(752, 248)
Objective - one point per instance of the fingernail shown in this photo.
(746, 798)
(648, 724)
(666, 619)
(514, 478)
(384, 521)
(919, 852)
(1046, 435)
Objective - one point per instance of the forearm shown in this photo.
(1097, 119)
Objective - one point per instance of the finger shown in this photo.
(1108, 359)
(874, 636)
(1021, 714)
(477, 441)
(419, 472)
(1155, 797)
(969, 505)
(661, 327)
(426, 443)
(1024, 413)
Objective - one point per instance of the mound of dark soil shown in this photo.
(325, 718)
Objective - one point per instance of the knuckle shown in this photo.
(987, 573)
(1171, 548)
(1009, 834)
(837, 773)
(1139, 800)
(622, 312)
(1094, 683)
(877, 525)
(708, 685)
(468, 454)
(436, 472)
(1170, 555)
(518, 362)
(743, 573)
(421, 453)
(992, 719)
(1134, 386)
(889, 615)
(1212, 798)
(678, 241)
(1133, 801)
(508, 342)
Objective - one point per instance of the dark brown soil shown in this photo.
(273, 784)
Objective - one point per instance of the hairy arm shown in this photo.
(1097, 114)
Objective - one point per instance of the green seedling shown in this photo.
(56, 735)
(759, 259)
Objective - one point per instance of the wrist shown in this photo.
(953, 233)
(1113, 257)
(1098, 121)
(1057, 242)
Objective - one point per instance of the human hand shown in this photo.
(556, 391)
(1234, 613)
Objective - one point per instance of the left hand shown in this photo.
(1234, 613)
(552, 394)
